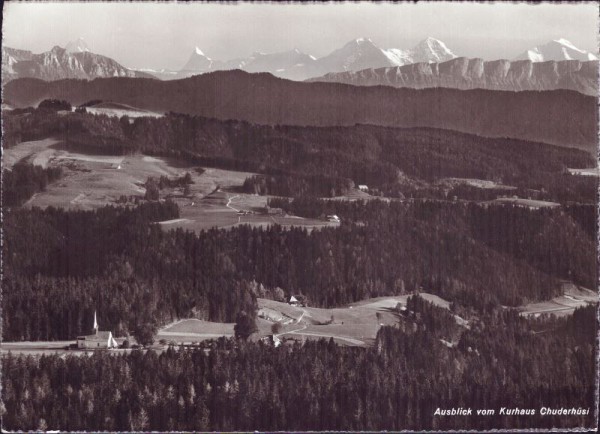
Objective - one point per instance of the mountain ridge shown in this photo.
(557, 49)
(74, 61)
(464, 73)
(293, 64)
(264, 99)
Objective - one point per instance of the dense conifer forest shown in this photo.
(24, 180)
(397, 384)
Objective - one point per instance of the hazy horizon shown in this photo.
(163, 35)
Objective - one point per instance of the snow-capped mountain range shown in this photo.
(360, 54)
(558, 49)
(357, 54)
(463, 73)
(77, 61)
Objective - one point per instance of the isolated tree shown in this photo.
(187, 190)
(245, 325)
(152, 191)
(278, 294)
(276, 328)
(144, 333)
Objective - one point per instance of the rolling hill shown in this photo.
(558, 117)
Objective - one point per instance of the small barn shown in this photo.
(333, 218)
(297, 300)
(363, 187)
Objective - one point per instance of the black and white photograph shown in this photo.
(299, 216)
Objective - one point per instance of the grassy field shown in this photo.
(355, 194)
(572, 298)
(478, 183)
(352, 325)
(92, 181)
(594, 171)
(26, 151)
(529, 203)
(194, 330)
(356, 324)
(119, 110)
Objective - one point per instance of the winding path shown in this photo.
(228, 205)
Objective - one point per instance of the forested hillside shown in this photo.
(118, 261)
(327, 161)
(264, 99)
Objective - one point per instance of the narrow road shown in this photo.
(301, 316)
(228, 205)
(297, 322)
(293, 331)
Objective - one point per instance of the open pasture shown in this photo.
(477, 183)
(120, 110)
(594, 171)
(355, 324)
(525, 203)
(355, 194)
(572, 298)
(194, 330)
(91, 181)
(224, 209)
(26, 151)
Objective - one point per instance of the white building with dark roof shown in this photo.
(97, 340)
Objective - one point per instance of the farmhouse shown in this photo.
(333, 218)
(99, 339)
(275, 341)
(363, 187)
(297, 300)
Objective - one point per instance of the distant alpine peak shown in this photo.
(557, 50)
(199, 51)
(77, 46)
(567, 43)
(433, 42)
(432, 49)
(359, 42)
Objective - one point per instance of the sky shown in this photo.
(163, 35)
